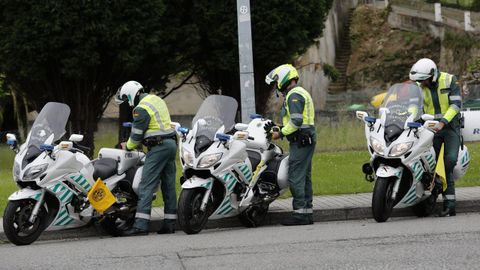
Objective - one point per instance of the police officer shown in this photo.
(443, 100)
(151, 126)
(298, 127)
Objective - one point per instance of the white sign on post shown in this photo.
(468, 22)
(438, 12)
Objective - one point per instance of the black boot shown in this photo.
(134, 231)
(310, 218)
(168, 226)
(296, 219)
(448, 209)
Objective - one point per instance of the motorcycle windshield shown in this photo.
(403, 101)
(49, 126)
(215, 111)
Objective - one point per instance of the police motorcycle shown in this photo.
(55, 178)
(228, 169)
(403, 159)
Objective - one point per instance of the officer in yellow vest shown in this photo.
(442, 99)
(298, 127)
(151, 126)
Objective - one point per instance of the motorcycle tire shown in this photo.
(426, 207)
(117, 223)
(253, 216)
(382, 202)
(191, 219)
(16, 226)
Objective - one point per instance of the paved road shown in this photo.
(401, 243)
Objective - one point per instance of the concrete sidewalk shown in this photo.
(326, 208)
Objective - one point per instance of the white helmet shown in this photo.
(424, 69)
(128, 92)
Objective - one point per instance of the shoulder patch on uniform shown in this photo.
(294, 100)
(135, 114)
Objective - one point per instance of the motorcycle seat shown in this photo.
(104, 168)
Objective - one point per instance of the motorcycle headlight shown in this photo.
(377, 146)
(34, 172)
(188, 158)
(400, 149)
(209, 160)
(16, 171)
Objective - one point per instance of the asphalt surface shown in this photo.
(326, 208)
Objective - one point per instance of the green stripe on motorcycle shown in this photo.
(63, 220)
(65, 195)
(409, 197)
(62, 214)
(231, 185)
(225, 210)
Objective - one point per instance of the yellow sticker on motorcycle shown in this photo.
(100, 197)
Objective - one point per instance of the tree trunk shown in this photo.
(20, 108)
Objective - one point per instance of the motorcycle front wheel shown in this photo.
(382, 202)
(16, 226)
(190, 217)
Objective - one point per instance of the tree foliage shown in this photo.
(281, 31)
(80, 51)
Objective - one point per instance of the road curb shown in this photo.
(273, 218)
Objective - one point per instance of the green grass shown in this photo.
(333, 172)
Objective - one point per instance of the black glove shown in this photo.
(268, 126)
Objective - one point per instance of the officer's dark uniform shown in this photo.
(151, 126)
(443, 100)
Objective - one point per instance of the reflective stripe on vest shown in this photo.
(159, 116)
(308, 110)
(444, 82)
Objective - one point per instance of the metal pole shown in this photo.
(247, 82)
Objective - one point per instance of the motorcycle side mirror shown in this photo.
(12, 141)
(426, 117)
(241, 126)
(76, 138)
(127, 124)
(430, 124)
(361, 115)
(175, 125)
(240, 135)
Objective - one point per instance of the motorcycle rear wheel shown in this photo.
(16, 226)
(382, 202)
(191, 219)
(115, 224)
(253, 216)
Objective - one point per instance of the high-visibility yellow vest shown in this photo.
(159, 116)
(447, 110)
(308, 115)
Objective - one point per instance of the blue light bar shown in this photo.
(46, 147)
(255, 116)
(222, 137)
(127, 124)
(413, 125)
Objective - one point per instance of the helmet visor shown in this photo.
(119, 99)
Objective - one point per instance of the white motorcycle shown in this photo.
(403, 160)
(54, 180)
(228, 169)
